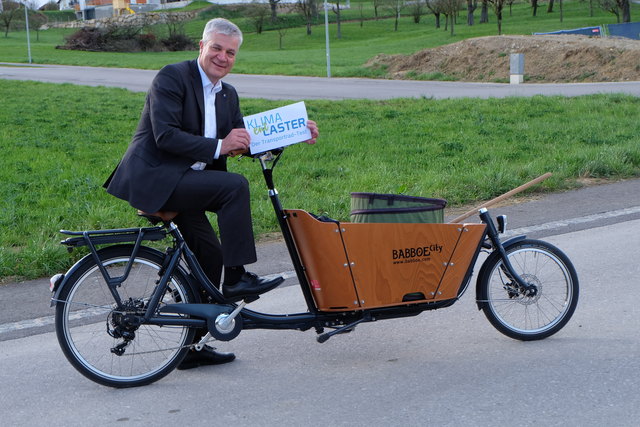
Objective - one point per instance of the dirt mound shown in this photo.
(549, 58)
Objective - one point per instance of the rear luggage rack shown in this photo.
(121, 235)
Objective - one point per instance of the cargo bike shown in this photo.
(126, 314)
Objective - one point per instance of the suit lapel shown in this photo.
(196, 85)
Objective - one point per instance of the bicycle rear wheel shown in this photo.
(96, 338)
(535, 313)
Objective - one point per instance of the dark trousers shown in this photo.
(227, 195)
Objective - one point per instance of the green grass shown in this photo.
(305, 55)
(60, 142)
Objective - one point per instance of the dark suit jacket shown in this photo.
(169, 138)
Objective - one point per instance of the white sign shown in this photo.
(277, 128)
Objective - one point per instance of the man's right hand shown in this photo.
(237, 142)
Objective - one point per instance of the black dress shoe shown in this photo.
(250, 285)
(206, 356)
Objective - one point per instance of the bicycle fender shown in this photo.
(486, 262)
(61, 284)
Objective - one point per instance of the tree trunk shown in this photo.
(337, 12)
(626, 11)
(471, 7)
(561, 12)
(534, 6)
(550, 8)
(274, 10)
(484, 12)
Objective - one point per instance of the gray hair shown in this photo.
(221, 26)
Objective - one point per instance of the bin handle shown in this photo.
(502, 197)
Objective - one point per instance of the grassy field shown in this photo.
(60, 142)
(305, 55)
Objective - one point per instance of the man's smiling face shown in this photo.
(218, 55)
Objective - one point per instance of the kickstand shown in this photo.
(346, 328)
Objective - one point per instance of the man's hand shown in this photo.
(313, 127)
(237, 142)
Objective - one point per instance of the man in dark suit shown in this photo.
(175, 166)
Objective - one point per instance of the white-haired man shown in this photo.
(176, 167)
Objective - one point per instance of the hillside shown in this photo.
(549, 58)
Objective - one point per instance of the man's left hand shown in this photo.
(313, 127)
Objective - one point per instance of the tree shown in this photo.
(282, 31)
(498, 5)
(51, 5)
(257, 15)
(273, 4)
(395, 6)
(451, 8)
(436, 7)
(626, 10)
(484, 12)
(610, 6)
(336, 10)
(534, 6)
(472, 5)
(37, 20)
(417, 11)
(10, 11)
(306, 9)
(550, 7)
(376, 5)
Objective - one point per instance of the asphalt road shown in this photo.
(446, 368)
(300, 88)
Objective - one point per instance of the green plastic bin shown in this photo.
(395, 208)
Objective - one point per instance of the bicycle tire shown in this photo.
(85, 312)
(529, 317)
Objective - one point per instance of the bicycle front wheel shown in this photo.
(542, 309)
(99, 340)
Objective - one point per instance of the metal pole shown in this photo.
(26, 18)
(326, 32)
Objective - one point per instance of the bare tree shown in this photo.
(534, 6)
(472, 5)
(257, 15)
(626, 10)
(498, 5)
(451, 9)
(484, 12)
(437, 8)
(611, 6)
(282, 31)
(10, 11)
(273, 4)
(37, 20)
(417, 11)
(306, 9)
(376, 5)
(336, 10)
(395, 6)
